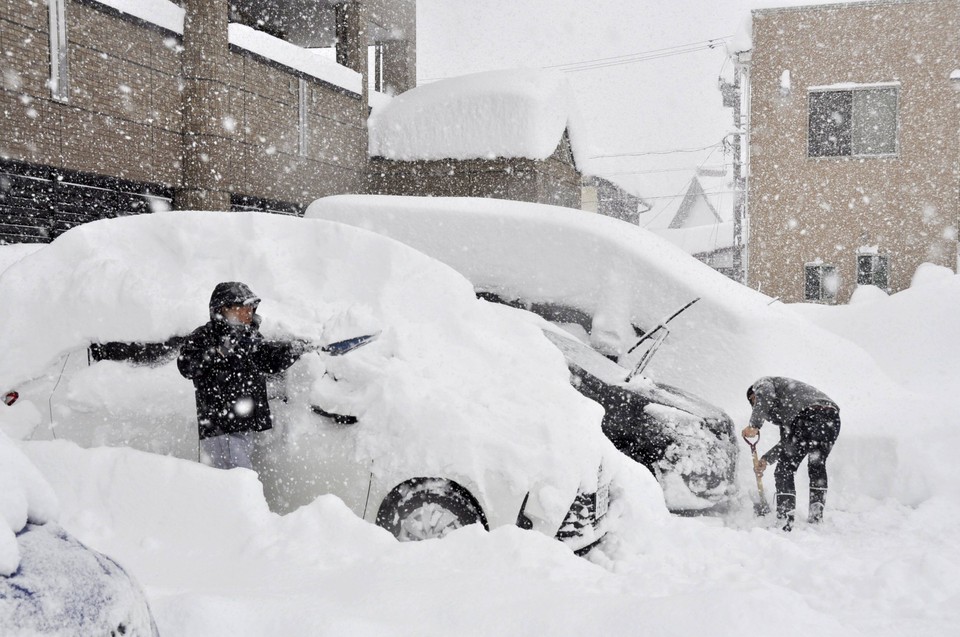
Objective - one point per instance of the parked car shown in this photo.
(65, 588)
(50, 583)
(544, 260)
(688, 444)
(422, 431)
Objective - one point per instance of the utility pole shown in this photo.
(733, 97)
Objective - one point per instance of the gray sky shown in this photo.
(661, 97)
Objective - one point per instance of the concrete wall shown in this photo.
(802, 208)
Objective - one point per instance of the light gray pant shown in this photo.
(228, 450)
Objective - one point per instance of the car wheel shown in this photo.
(428, 508)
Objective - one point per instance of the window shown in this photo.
(872, 269)
(303, 94)
(820, 282)
(375, 68)
(853, 123)
(59, 80)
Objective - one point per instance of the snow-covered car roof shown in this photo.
(447, 383)
(516, 113)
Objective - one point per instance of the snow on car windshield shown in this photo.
(448, 380)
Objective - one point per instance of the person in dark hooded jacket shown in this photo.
(809, 423)
(228, 361)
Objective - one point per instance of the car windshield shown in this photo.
(587, 359)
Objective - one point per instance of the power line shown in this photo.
(629, 58)
(662, 170)
(639, 57)
(630, 55)
(705, 193)
(683, 194)
(659, 152)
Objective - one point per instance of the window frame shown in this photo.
(59, 81)
(823, 271)
(879, 264)
(854, 88)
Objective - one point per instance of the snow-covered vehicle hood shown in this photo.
(449, 388)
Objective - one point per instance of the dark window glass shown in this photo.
(880, 272)
(872, 270)
(831, 116)
(812, 283)
(865, 269)
(875, 122)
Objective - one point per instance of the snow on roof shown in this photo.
(516, 113)
(685, 199)
(168, 15)
(162, 13)
(295, 57)
(854, 85)
(699, 239)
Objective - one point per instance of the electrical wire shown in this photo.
(576, 67)
(629, 58)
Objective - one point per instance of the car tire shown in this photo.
(428, 508)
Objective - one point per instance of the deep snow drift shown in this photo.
(215, 561)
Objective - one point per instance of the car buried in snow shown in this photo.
(421, 431)
(560, 269)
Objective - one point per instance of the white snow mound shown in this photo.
(517, 113)
(24, 497)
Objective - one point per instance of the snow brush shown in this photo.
(760, 508)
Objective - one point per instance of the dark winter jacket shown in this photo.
(228, 365)
(783, 401)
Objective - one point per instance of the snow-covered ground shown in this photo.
(215, 561)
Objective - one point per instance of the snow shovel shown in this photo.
(343, 347)
(760, 508)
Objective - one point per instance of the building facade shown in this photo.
(854, 146)
(607, 198)
(108, 109)
(554, 181)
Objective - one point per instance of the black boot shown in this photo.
(786, 505)
(818, 498)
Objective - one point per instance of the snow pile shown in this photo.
(295, 57)
(25, 497)
(13, 252)
(449, 386)
(912, 335)
(518, 113)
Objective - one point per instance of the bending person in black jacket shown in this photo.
(228, 361)
(809, 423)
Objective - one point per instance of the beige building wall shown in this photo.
(803, 209)
(125, 115)
(553, 181)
